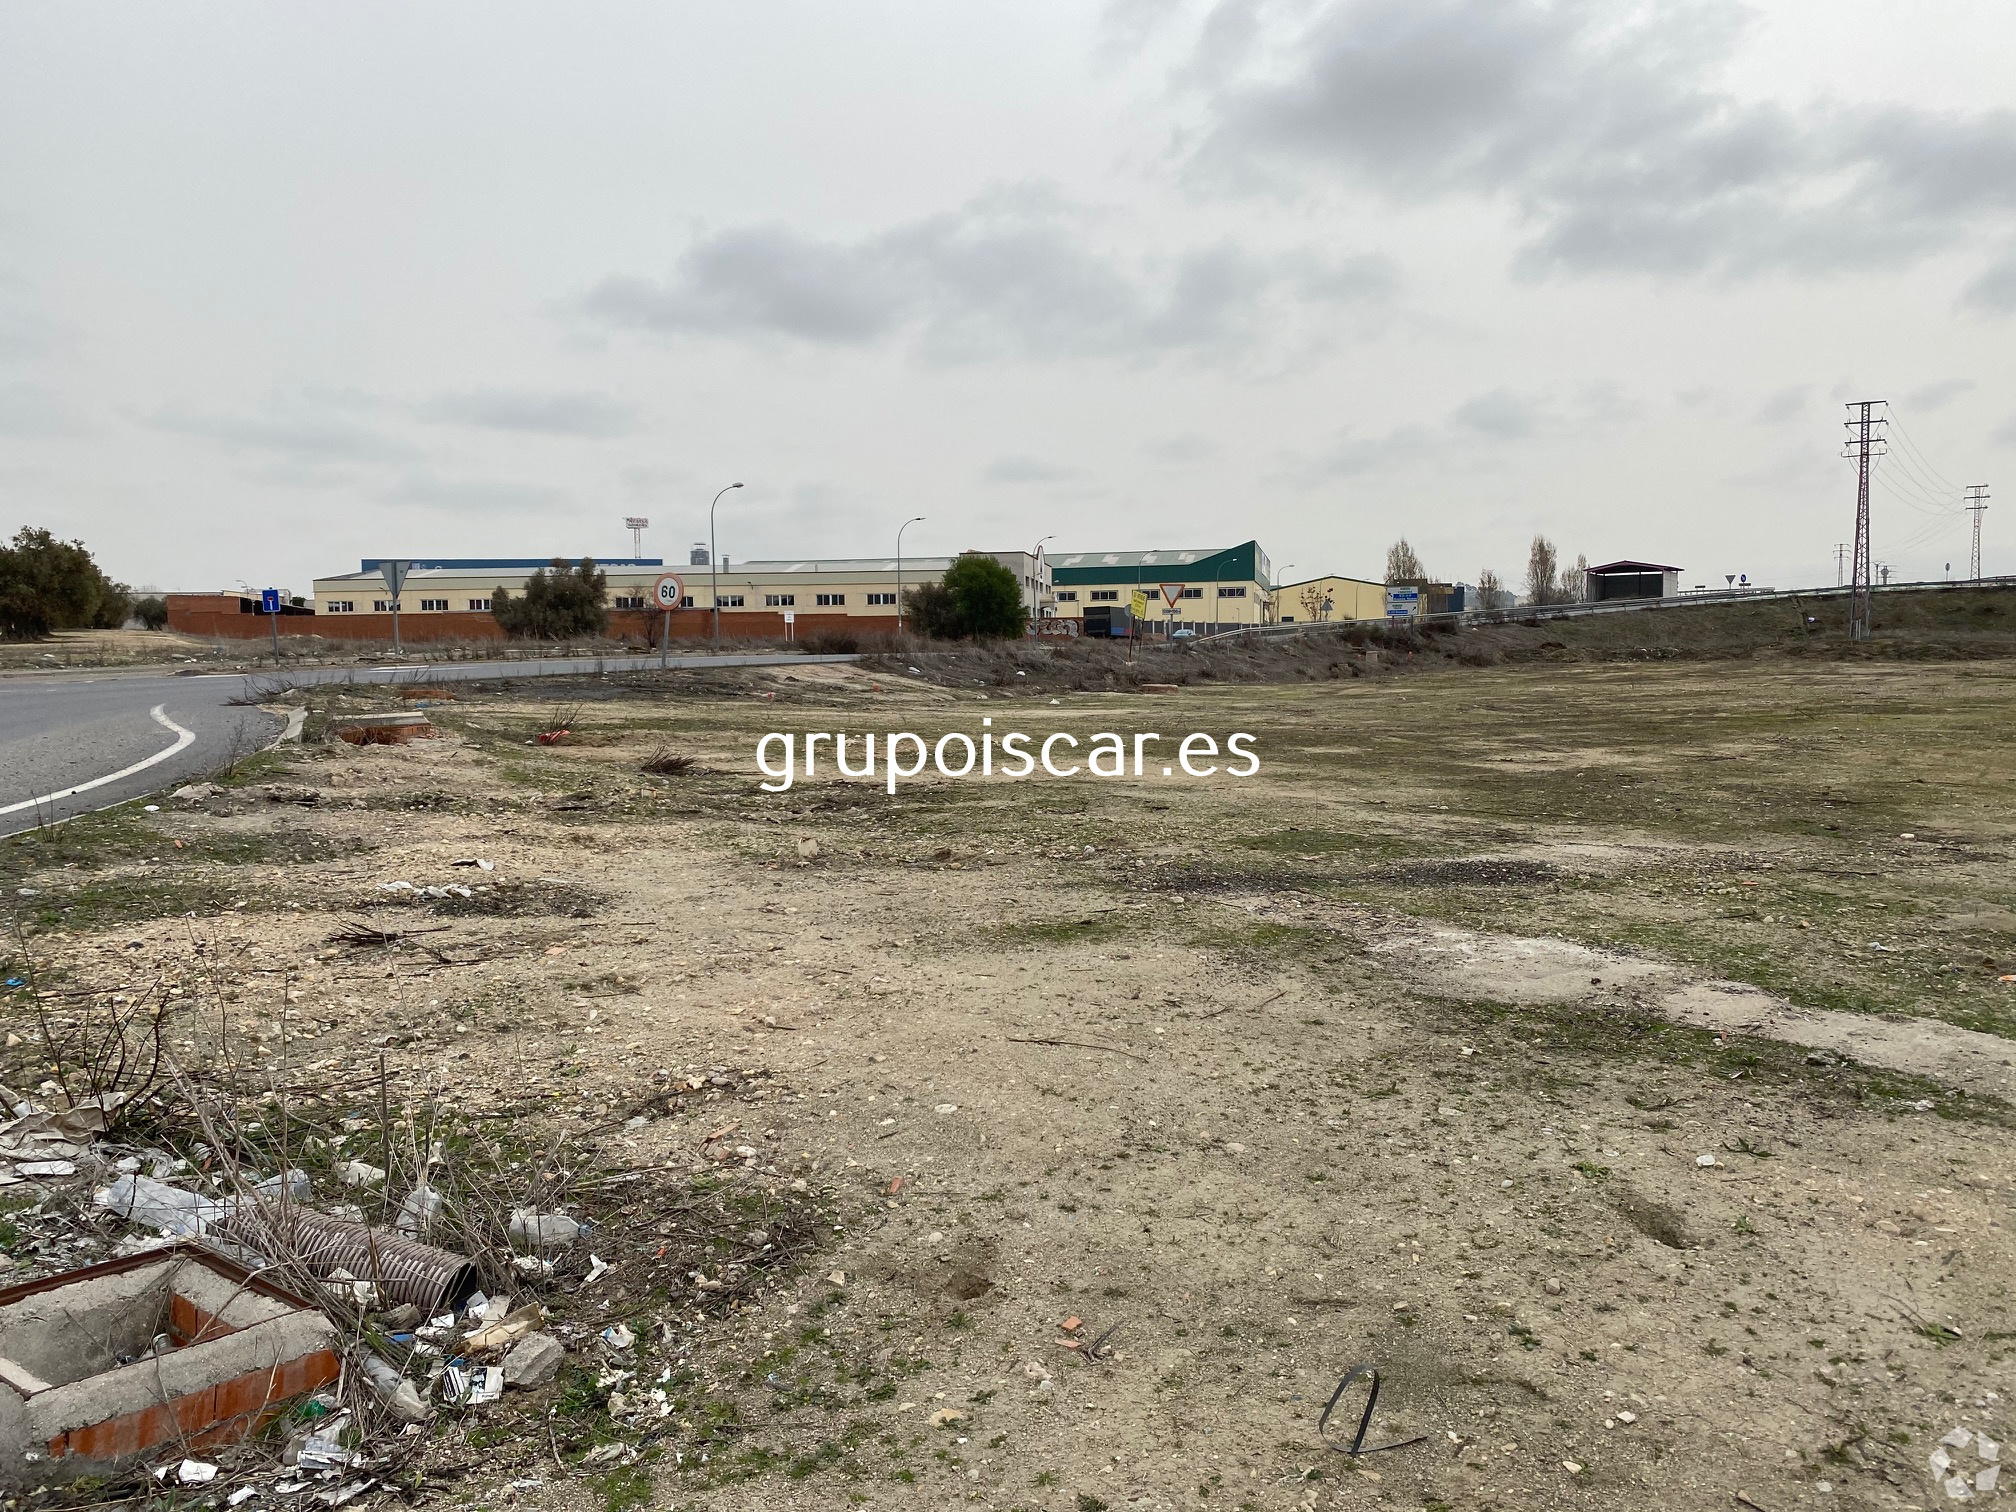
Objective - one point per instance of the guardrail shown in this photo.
(1525, 613)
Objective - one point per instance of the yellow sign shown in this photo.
(1139, 604)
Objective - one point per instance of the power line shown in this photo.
(1913, 451)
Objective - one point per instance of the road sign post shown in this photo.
(394, 574)
(668, 593)
(1171, 592)
(1402, 603)
(269, 605)
(1137, 610)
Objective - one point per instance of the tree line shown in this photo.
(1548, 581)
(48, 585)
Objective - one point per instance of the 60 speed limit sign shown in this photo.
(668, 591)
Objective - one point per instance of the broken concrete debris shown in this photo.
(533, 1360)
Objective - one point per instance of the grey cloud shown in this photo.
(1994, 287)
(1933, 396)
(1786, 404)
(543, 413)
(1012, 274)
(1025, 470)
(1177, 449)
(1604, 131)
(477, 496)
(1500, 415)
(1483, 423)
(303, 436)
(31, 412)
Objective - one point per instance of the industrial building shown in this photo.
(448, 598)
(1317, 599)
(1631, 580)
(1211, 589)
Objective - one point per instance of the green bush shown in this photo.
(151, 611)
(47, 584)
(559, 603)
(978, 599)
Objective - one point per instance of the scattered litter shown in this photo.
(40, 1168)
(597, 1269)
(617, 1336)
(467, 1386)
(547, 1230)
(419, 1210)
(476, 862)
(361, 1173)
(400, 1396)
(1953, 1476)
(195, 1472)
(1358, 1446)
(1704, 1160)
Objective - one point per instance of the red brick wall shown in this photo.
(217, 614)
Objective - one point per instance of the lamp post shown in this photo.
(1036, 587)
(899, 568)
(714, 566)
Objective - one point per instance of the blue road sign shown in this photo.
(269, 601)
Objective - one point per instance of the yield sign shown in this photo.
(1171, 592)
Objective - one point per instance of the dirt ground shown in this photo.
(1616, 1057)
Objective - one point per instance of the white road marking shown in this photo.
(183, 739)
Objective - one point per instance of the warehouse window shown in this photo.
(382, 606)
(686, 602)
(340, 606)
(779, 600)
(832, 600)
(433, 606)
(881, 598)
(1231, 593)
(1067, 595)
(628, 601)
(1192, 593)
(479, 603)
(1105, 595)
(728, 601)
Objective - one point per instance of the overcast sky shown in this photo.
(282, 286)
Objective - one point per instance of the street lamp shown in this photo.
(899, 568)
(1036, 586)
(714, 566)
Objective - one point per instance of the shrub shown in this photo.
(978, 599)
(47, 584)
(559, 603)
(151, 611)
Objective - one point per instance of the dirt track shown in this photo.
(1179, 1059)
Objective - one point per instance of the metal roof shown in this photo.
(1633, 567)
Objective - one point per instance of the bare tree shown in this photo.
(1575, 581)
(1313, 599)
(1403, 565)
(1489, 586)
(1542, 583)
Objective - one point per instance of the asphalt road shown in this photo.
(75, 742)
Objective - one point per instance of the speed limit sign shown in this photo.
(667, 592)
